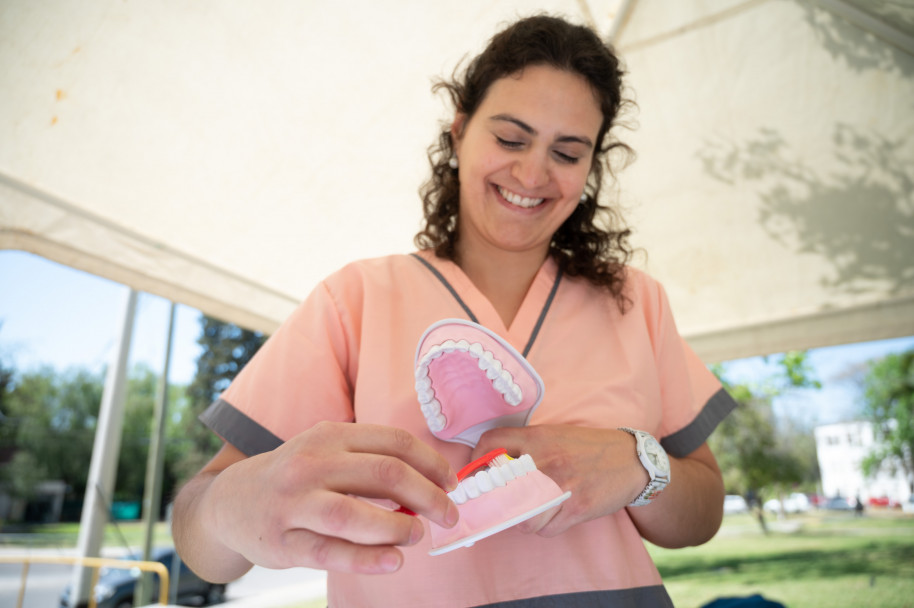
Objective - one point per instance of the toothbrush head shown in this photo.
(470, 380)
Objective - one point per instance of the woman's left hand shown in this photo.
(599, 467)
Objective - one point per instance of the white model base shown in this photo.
(469, 541)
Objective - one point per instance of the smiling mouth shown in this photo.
(518, 200)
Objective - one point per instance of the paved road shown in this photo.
(259, 587)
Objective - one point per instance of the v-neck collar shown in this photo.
(530, 315)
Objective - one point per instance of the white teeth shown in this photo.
(472, 487)
(431, 408)
(491, 366)
(504, 383)
(520, 201)
(484, 482)
(437, 423)
(517, 468)
(496, 476)
(458, 495)
(502, 380)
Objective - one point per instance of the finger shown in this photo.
(311, 550)
(390, 441)
(355, 520)
(380, 476)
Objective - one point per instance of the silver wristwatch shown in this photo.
(655, 461)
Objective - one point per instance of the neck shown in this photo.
(504, 277)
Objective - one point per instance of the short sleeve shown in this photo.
(299, 377)
(693, 400)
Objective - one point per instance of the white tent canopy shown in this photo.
(229, 155)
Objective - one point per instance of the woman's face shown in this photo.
(524, 158)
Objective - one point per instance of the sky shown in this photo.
(52, 315)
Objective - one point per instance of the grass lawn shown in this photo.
(821, 560)
(809, 561)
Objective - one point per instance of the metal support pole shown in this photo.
(103, 466)
(155, 463)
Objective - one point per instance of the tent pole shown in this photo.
(155, 462)
(105, 450)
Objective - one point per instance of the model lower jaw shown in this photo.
(518, 200)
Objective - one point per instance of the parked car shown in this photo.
(796, 502)
(817, 500)
(734, 503)
(116, 586)
(838, 503)
(884, 501)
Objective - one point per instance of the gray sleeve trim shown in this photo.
(687, 440)
(655, 596)
(237, 428)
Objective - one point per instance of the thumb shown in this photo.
(509, 438)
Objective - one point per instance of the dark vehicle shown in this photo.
(116, 586)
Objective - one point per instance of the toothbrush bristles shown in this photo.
(500, 460)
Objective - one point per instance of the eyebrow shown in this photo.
(530, 130)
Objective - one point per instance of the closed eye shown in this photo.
(566, 158)
(507, 143)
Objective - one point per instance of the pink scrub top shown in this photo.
(347, 354)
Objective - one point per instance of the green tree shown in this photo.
(54, 417)
(142, 386)
(7, 431)
(759, 455)
(889, 404)
(50, 419)
(227, 348)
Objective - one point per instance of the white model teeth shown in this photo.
(517, 199)
(502, 380)
(496, 476)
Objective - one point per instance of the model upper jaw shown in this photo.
(516, 199)
(469, 380)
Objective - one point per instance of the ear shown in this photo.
(457, 127)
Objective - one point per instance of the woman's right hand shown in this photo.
(297, 505)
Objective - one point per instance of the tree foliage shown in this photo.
(52, 418)
(49, 423)
(888, 393)
(759, 454)
(227, 348)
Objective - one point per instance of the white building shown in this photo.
(841, 449)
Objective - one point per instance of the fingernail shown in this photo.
(391, 561)
(451, 515)
(416, 533)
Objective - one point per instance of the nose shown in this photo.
(530, 170)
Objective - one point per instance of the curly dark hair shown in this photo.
(593, 242)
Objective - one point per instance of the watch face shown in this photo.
(656, 455)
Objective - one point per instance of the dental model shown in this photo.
(469, 380)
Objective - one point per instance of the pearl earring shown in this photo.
(583, 198)
(452, 162)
